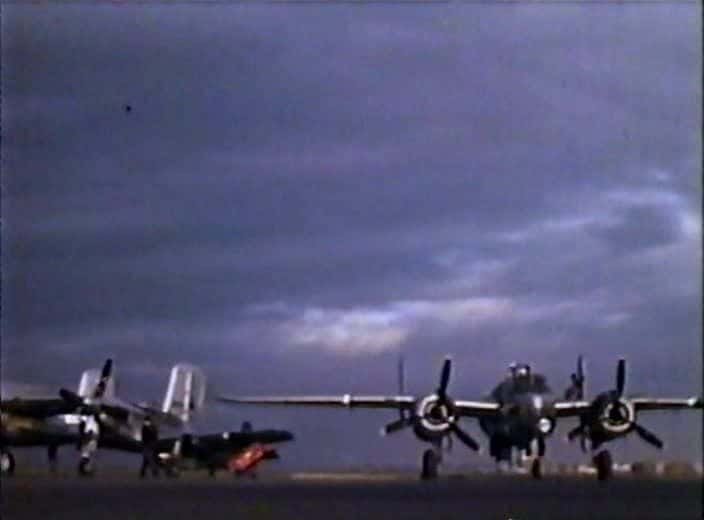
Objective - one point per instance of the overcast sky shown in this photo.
(299, 193)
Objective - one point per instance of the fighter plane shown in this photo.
(34, 421)
(520, 413)
(117, 424)
(94, 417)
(237, 452)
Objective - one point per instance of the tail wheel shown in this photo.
(86, 467)
(430, 462)
(604, 465)
(7, 463)
(536, 468)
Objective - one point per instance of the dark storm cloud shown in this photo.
(302, 192)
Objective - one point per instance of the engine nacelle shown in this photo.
(434, 417)
(616, 416)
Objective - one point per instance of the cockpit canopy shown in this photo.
(521, 380)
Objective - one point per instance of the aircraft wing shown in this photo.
(228, 441)
(393, 402)
(575, 408)
(157, 415)
(115, 441)
(571, 408)
(665, 403)
(476, 408)
(36, 408)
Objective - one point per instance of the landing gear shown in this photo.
(7, 463)
(86, 467)
(211, 471)
(430, 462)
(604, 465)
(172, 473)
(53, 454)
(503, 455)
(536, 468)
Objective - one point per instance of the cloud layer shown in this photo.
(300, 193)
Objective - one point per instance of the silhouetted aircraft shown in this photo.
(94, 417)
(520, 413)
(237, 452)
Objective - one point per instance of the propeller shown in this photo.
(91, 406)
(642, 432)
(444, 380)
(404, 420)
(576, 389)
(648, 436)
(463, 436)
(403, 416)
(620, 377)
(105, 375)
(443, 401)
(614, 398)
(397, 425)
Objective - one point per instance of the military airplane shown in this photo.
(94, 417)
(520, 413)
(236, 452)
(35, 421)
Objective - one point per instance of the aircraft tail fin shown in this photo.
(186, 391)
(90, 379)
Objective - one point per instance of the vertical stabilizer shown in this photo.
(186, 391)
(89, 383)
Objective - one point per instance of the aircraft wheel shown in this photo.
(536, 468)
(604, 465)
(53, 455)
(171, 472)
(430, 462)
(86, 467)
(7, 463)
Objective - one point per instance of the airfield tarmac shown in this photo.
(481, 497)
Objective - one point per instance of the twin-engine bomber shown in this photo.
(519, 414)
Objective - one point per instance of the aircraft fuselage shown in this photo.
(527, 412)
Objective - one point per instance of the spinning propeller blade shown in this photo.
(580, 378)
(105, 375)
(466, 439)
(620, 377)
(397, 425)
(648, 436)
(445, 378)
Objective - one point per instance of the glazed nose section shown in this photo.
(539, 412)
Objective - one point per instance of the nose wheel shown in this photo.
(604, 465)
(53, 455)
(429, 464)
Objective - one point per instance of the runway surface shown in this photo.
(482, 497)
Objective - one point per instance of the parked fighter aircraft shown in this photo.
(520, 413)
(237, 452)
(26, 421)
(118, 423)
(93, 417)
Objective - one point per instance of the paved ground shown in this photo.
(478, 497)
